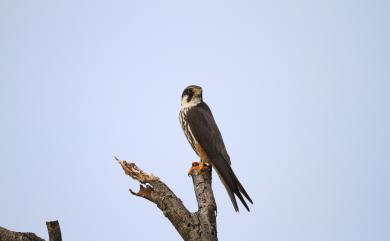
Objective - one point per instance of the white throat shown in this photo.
(185, 104)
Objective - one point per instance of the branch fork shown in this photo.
(192, 226)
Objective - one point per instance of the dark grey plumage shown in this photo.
(200, 128)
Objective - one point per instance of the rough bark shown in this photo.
(53, 228)
(197, 226)
(207, 207)
(8, 235)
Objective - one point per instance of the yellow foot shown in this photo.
(198, 167)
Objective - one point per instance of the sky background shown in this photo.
(299, 89)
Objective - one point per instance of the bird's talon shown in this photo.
(198, 167)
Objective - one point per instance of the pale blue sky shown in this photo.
(299, 89)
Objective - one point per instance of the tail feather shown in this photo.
(231, 183)
(242, 190)
(230, 193)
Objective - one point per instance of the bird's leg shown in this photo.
(198, 167)
(203, 165)
(192, 168)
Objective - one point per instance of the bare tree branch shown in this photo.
(207, 207)
(197, 226)
(53, 228)
(8, 235)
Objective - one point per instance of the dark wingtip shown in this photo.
(249, 199)
(243, 191)
(234, 203)
(242, 200)
(246, 206)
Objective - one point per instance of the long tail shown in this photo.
(231, 183)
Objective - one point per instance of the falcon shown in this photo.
(205, 138)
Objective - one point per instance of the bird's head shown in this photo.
(192, 95)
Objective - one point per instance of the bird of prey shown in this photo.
(205, 138)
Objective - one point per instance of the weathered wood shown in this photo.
(207, 207)
(197, 226)
(8, 235)
(53, 228)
